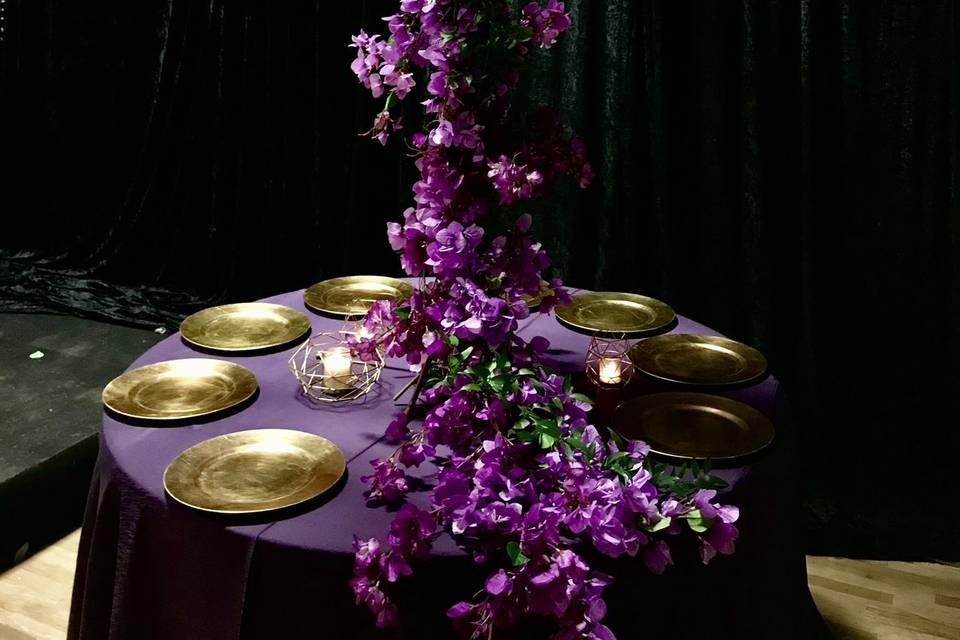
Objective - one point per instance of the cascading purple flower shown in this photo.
(546, 22)
(452, 250)
(523, 477)
(388, 482)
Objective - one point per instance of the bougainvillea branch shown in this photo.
(525, 480)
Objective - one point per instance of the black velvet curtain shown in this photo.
(785, 172)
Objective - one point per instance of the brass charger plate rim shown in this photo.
(642, 354)
(247, 384)
(663, 314)
(313, 296)
(304, 494)
(756, 420)
(301, 324)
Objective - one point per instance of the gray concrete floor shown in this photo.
(49, 417)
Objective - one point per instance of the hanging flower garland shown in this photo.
(525, 478)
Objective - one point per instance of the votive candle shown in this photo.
(337, 366)
(609, 371)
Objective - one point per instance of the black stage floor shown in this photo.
(49, 416)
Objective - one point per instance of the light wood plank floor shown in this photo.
(864, 599)
(35, 594)
(860, 599)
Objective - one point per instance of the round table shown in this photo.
(150, 568)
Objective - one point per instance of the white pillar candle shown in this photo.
(609, 372)
(337, 366)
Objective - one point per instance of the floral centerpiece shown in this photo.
(524, 479)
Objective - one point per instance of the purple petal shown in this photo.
(459, 610)
(498, 583)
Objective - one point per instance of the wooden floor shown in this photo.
(860, 599)
(35, 594)
(863, 599)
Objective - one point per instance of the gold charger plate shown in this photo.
(354, 295)
(615, 313)
(179, 389)
(254, 471)
(244, 327)
(684, 426)
(695, 359)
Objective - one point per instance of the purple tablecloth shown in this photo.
(149, 567)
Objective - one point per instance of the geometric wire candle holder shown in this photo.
(328, 372)
(608, 362)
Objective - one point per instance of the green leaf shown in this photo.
(548, 427)
(618, 439)
(453, 341)
(711, 482)
(576, 443)
(476, 372)
(546, 440)
(614, 459)
(498, 382)
(579, 397)
(466, 353)
(515, 554)
(403, 312)
(473, 386)
(696, 521)
(661, 524)
(665, 484)
(567, 384)
(526, 372)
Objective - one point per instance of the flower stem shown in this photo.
(421, 380)
(405, 387)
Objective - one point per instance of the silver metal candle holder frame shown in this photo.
(307, 364)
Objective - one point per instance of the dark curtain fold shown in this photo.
(880, 286)
(204, 148)
(783, 171)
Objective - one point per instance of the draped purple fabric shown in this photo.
(151, 568)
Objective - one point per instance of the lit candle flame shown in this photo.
(610, 370)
